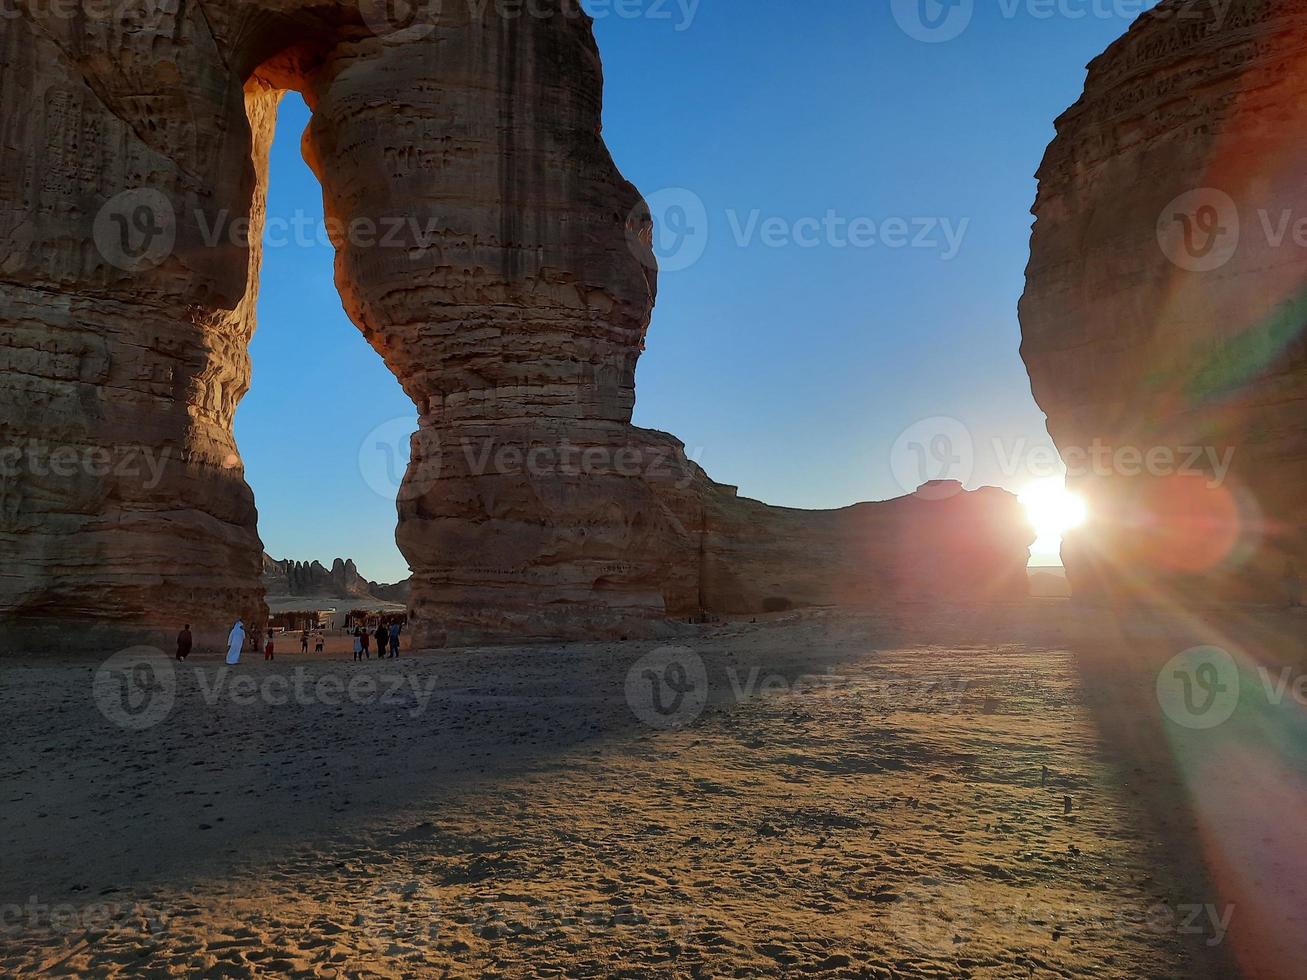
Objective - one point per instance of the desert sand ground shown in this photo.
(860, 795)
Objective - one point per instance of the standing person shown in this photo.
(184, 642)
(267, 649)
(383, 639)
(394, 639)
(366, 638)
(318, 641)
(304, 641)
(358, 644)
(235, 643)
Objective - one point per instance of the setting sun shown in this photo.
(1052, 508)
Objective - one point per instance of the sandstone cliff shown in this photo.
(487, 248)
(1163, 315)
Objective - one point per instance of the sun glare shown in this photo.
(1052, 508)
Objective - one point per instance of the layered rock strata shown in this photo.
(487, 248)
(1163, 317)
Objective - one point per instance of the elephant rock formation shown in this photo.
(489, 251)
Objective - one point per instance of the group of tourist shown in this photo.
(386, 637)
(318, 640)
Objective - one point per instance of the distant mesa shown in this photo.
(941, 543)
(1049, 583)
(293, 585)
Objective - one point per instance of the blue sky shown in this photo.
(821, 140)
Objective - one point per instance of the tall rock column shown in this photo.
(504, 290)
(1164, 311)
(123, 328)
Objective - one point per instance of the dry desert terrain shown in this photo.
(932, 792)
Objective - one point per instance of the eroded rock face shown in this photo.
(939, 543)
(488, 249)
(1164, 311)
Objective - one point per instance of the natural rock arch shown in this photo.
(484, 130)
(512, 307)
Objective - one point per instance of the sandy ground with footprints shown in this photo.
(857, 796)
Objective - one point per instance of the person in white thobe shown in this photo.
(235, 643)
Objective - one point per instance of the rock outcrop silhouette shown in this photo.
(289, 578)
(1163, 317)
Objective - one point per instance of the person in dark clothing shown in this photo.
(184, 642)
(365, 638)
(383, 638)
(394, 639)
